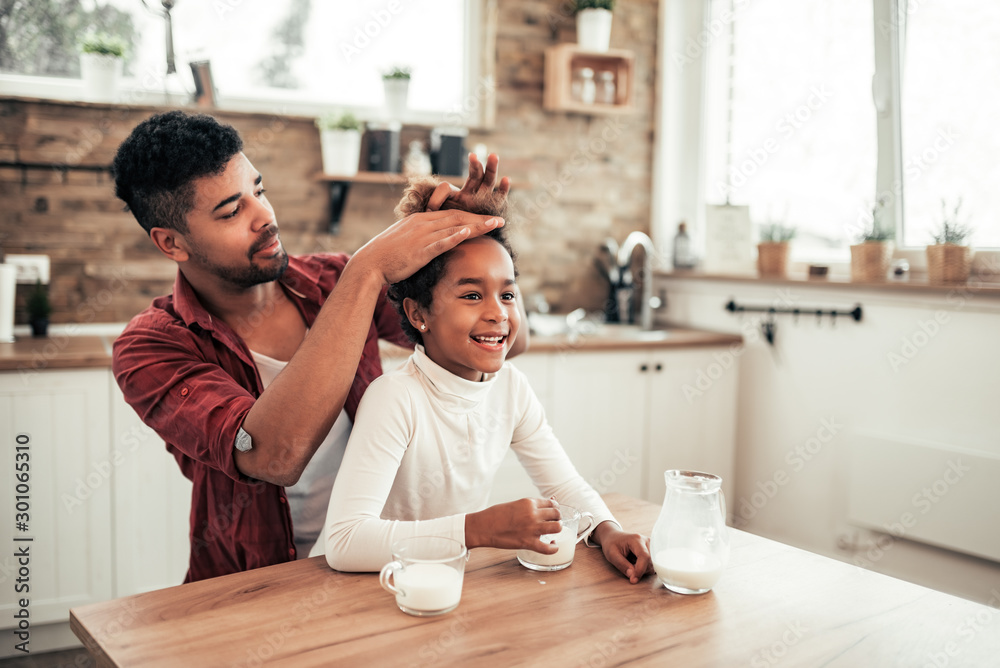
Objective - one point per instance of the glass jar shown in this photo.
(583, 88)
(690, 541)
(606, 87)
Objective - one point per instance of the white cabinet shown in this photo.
(691, 421)
(624, 417)
(109, 508)
(599, 414)
(152, 502)
(61, 418)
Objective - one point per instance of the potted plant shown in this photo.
(396, 85)
(340, 143)
(101, 59)
(593, 24)
(872, 255)
(948, 258)
(39, 309)
(772, 251)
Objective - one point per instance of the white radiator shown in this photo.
(929, 492)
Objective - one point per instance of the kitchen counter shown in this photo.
(63, 350)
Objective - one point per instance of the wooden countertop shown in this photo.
(65, 351)
(59, 351)
(774, 605)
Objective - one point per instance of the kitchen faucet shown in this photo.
(621, 300)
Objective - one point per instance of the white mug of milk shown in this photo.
(426, 574)
(565, 540)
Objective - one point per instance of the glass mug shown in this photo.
(426, 573)
(565, 540)
(690, 541)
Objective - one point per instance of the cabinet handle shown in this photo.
(659, 367)
(644, 368)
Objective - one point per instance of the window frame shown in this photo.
(479, 85)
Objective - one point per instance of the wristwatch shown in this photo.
(243, 441)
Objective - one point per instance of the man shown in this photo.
(251, 370)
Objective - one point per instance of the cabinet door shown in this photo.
(692, 416)
(152, 504)
(61, 419)
(511, 481)
(599, 415)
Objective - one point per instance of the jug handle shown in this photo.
(722, 505)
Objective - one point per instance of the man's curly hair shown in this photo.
(420, 286)
(155, 166)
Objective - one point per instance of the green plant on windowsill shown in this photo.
(397, 72)
(949, 259)
(772, 251)
(776, 233)
(872, 255)
(103, 44)
(950, 230)
(580, 5)
(39, 309)
(338, 120)
(877, 230)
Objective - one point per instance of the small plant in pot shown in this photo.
(396, 85)
(39, 309)
(772, 251)
(101, 60)
(872, 255)
(949, 258)
(340, 143)
(593, 24)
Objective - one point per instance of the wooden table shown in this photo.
(775, 605)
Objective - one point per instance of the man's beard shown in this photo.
(247, 276)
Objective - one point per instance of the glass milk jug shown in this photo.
(690, 542)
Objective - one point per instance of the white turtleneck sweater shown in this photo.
(424, 450)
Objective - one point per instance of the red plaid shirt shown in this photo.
(191, 379)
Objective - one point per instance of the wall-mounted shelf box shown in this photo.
(563, 59)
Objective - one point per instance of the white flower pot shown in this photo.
(341, 151)
(593, 29)
(100, 74)
(396, 93)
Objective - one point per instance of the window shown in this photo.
(798, 144)
(950, 104)
(825, 107)
(299, 56)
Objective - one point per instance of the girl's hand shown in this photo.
(480, 180)
(514, 525)
(628, 552)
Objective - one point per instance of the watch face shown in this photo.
(243, 441)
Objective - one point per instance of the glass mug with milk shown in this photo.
(426, 574)
(565, 540)
(690, 541)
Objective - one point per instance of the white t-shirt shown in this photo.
(424, 450)
(308, 498)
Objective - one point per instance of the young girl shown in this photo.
(429, 437)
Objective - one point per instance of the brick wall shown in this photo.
(578, 179)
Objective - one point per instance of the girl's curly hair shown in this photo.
(420, 286)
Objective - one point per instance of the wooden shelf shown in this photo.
(561, 61)
(387, 178)
(340, 186)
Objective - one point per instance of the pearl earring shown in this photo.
(423, 327)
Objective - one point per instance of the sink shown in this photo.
(629, 333)
(556, 325)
